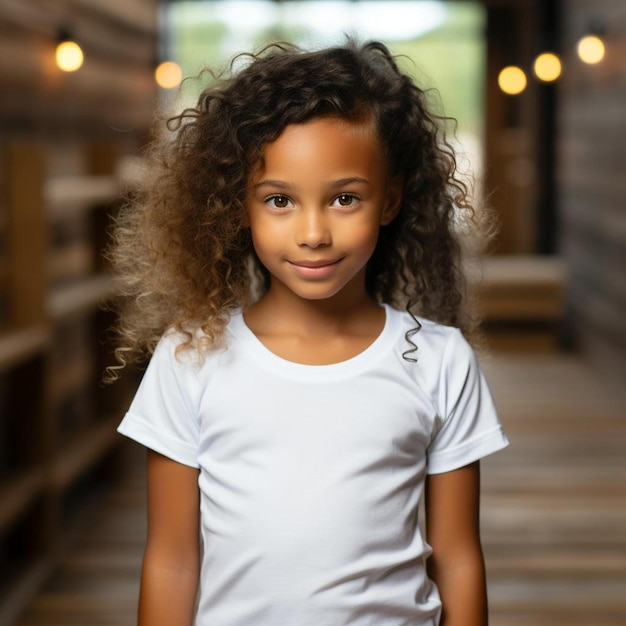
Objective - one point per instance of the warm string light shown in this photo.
(68, 55)
(547, 67)
(168, 75)
(512, 80)
(590, 49)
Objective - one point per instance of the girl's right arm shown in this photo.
(171, 564)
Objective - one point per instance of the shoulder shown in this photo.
(447, 347)
(437, 356)
(433, 341)
(187, 354)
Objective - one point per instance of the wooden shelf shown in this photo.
(17, 494)
(71, 264)
(51, 363)
(66, 192)
(64, 171)
(80, 297)
(520, 288)
(18, 346)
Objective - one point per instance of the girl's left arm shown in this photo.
(453, 531)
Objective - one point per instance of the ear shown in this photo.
(393, 200)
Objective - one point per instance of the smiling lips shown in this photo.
(315, 269)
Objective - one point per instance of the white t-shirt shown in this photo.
(311, 475)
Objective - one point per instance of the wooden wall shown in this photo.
(64, 139)
(113, 87)
(592, 185)
(512, 144)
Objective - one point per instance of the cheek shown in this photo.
(266, 237)
(363, 237)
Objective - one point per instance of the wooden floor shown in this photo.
(554, 513)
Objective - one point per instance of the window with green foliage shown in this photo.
(442, 44)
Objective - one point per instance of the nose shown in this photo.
(313, 229)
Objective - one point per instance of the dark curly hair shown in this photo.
(182, 252)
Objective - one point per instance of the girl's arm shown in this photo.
(169, 579)
(452, 527)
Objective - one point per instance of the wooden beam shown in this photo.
(27, 234)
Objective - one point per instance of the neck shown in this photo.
(347, 310)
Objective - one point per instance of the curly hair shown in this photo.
(182, 252)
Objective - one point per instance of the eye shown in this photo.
(278, 201)
(345, 200)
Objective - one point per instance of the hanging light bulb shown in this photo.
(168, 75)
(591, 49)
(512, 80)
(547, 67)
(68, 55)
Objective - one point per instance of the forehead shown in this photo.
(324, 146)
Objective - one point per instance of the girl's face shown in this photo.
(316, 205)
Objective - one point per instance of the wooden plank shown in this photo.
(592, 599)
(519, 287)
(506, 618)
(81, 297)
(66, 192)
(73, 262)
(519, 340)
(17, 494)
(139, 14)
(18, 346)
(596, 564)
(27, 234)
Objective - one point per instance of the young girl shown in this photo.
(294, 260)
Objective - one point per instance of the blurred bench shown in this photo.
(521, 300)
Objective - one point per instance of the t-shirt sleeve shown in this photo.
(468, 427)
(162, 416)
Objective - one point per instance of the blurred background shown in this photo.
(539, 92)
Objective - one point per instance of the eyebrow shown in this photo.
(273, 183)
(352, 179)
(281, 184)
